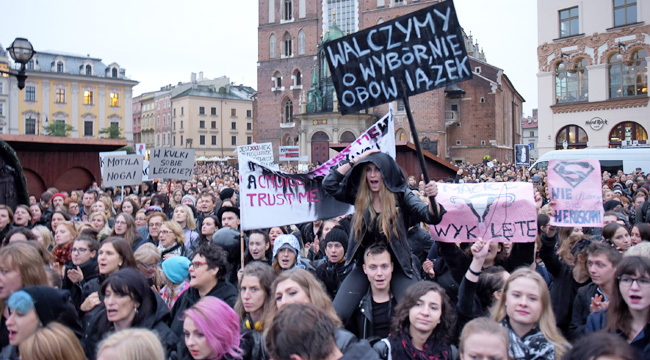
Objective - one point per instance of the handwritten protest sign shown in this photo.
(575, 187)
(261, 152)
(169, 163)
(145, 171)
(379, 136)
(104, 154)
(499, 211)
(421, 51)
(122, 170)
(272, 198)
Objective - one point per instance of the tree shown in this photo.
(57, 128)
(111, 132)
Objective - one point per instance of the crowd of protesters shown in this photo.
(154, 272)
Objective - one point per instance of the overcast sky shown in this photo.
(163, 42)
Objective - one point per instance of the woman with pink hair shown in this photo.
(211, 331)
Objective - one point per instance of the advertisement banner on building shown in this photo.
(522, 155)
(409, 55)
(576, 190)
(170, 163)
(501, 211)
(122, 170)
(289, 153)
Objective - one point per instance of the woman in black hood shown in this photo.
(384, 210)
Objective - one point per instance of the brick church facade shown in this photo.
(296, 105)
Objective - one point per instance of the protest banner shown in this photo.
(575, 188)
(104, 154)
(289, 153)
(409, 55)
(170, 163)
(261, 152)
(141, 149)
(145, 171)
(503, 212)
(122, 170)
(381, 135)
(522, 155)
(273, 198)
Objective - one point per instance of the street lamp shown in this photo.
(21, 50)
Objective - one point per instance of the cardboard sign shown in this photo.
(261, 152)
(576, 189)
(381, 135)
(409, 55)
(141, 149)
(122, 170)
(170, 163)
(522, 155)
(104, 154)
(273, 198)
(501, 211)
(145, 171)
(289, 153)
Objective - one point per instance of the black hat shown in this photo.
(49, 302)
(227, 209)
(337, 234)
(226, 193)
(229, 240)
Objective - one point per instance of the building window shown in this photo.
(233, 112)
(89, 70)
(233, 140)
(572, 85)
(213, 111)
(624, 12)
(287, 116)
(174, 112)
(181, 126)
(59, 67)
(233, 125)
(114, 72)
(213, 125)
(400, 105)
(181, 111)
(287, 13)
(174, 125)
(249, 113)
(345, 13)
(532, 146)
(181, 140)
(628, 78)
(249, 140)
(60, 96)
(2, 109)
(115, 99)
(629, 132)
(174, 141)
(277, 80)
(30, 93)
(301, 42)
(288, 46)
(531, 134)
(88, 97)
(201, 110)
(249, 126)
(297, 78)
(202, 140)
(214, 140)
(30, 126)
(569, 24)
(202, 124)
(348, 137)
(272, 46)
(574, 136)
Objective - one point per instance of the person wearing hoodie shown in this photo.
(128, 302)
(286, 255)
(207, 278)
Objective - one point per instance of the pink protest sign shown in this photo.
(576, 189)
(502, 211)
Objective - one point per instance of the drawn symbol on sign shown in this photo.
(573, 173)
(480, 203)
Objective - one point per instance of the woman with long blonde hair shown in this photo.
(385, 209)
(525, 311)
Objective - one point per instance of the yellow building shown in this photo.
(148, 123)
(80, 91)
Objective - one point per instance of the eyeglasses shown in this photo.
(196, 264)
(148, 267)
(165, 232)
(155, 225)
(120, 223)
(80, 250)
(627, 281)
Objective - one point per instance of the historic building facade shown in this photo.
(296, 104)
(593, 73)
(530, 131)
(79, 91)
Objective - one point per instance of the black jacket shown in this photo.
(361, 323)
(411, 210)
(332, 275)
(157, 322)
(360, 351)
(420, 242)
(223, 290)
(89, 271)
(581, 310)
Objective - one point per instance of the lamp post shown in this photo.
(21, 51)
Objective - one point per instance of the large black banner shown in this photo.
(420, 51)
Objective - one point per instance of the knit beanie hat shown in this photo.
(337, 234)
(226, 193)
(59, 194)
(176, 268)
(286, 241)
(188, 196)
(48, 302)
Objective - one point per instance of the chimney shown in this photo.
(200, 76)
(193, 78)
